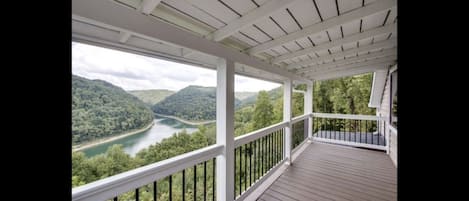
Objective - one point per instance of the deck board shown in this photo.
(334, 172)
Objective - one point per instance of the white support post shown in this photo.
(309, 108)
(287, 93)
(225, 129)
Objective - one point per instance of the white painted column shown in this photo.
(287, 94)
(309, 108)
(225, 129)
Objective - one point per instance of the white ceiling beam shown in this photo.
(353, 66)
(361, 70)
(124, 36)
(388, 52)
(380, 44)
(355, 37)
(186, 52)
(107, 12)
(370, 9)
(250, 18)
(148, 6)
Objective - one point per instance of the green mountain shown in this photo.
(100, 109)
(274, 94)
(152, 96)
(244, 94)
(192, 103)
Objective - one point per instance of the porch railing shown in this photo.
(257, 154)
(153, 177)
(355, 130)
(299, 130)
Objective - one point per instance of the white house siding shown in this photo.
(384, 111)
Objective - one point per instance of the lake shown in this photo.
(163, 128)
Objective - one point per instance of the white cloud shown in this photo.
(135, 72)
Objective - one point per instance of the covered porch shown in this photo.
(314, 156)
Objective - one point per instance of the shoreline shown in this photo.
(186, 121)
(104, 140)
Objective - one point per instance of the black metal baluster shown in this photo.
(205, 180)
(213, 179)
(379, 135)
(366, 130)
(349, 129)
(355, 129)
(155, 190)
(255, 158)
(334, 127)
(314, 126)
(235, 163)
(276, 147)
(245, 167)
(250, 163)
(283, 143)
(322, 127)
(183, 184)
(195, 182)
(271, 136)
(360, 129)
(240, 168)
(170, 187)
(268, 152)
(136, 195)
(262, 157)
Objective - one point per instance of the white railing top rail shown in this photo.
(121, 183)
(249, 137)
(300, 118)
(346, 116)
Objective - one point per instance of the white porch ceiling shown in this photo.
(300, 39)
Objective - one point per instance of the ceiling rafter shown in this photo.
(333, 65)
(385, 43)
(356, 71)
(355, 37)
(249, 19)
(147, 6)
(356, 14)
(375, 62)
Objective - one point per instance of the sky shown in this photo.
(136, 72)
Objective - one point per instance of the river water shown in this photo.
(163, 128)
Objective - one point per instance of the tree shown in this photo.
(263, 111)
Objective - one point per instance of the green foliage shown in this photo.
(151, 97)
(263, 112)
(100, 109)
(348, 95)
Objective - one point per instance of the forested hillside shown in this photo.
(100, 109)
(244, 94)
(348, 95)
(191, 103)
(152, 96)
(274, 94)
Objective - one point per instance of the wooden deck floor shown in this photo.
(335, 172)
